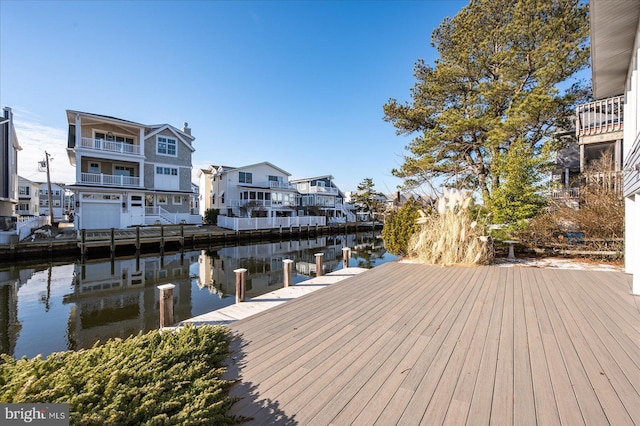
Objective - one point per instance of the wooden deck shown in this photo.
(415, 344)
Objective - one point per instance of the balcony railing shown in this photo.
(321, 190)
(109, 180)
(281, 185)
(261, 203)
(110, 146)
(603, 116)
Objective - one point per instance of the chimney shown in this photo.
(186, 128)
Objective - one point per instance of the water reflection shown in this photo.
(49, 308)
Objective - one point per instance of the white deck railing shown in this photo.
(109, 180)
(601, 116)
(110, 146)
(26, 224)
(244, 223)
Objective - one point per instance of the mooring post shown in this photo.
(113, 240)
(137, 238)
(319, 264)
(83, 241)
(182, 235)
(166, 304)
(161, 237)
(346, 254)
(288, 270)
(241, 281)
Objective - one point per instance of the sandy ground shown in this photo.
(554, 262)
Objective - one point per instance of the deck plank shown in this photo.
(408, 344)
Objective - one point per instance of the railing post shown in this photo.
(288, 270)
(241, 282)
(319, 264)
(166, 304)
(346, 254)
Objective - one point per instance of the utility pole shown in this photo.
(46, 154)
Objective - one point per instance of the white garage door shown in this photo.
(100, 216)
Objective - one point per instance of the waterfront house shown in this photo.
(256, 196)
(57, 199)
(615, 53)
(9, 148)
(320, 196)
(28, 198)
(129, 173)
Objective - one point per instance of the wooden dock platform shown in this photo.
(272, 299)
(415, 344)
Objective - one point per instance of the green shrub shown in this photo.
(154, 378)
(211, 216)
(399, 227)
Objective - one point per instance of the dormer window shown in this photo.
(166, 146)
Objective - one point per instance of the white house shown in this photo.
(129, 173)
(28, 197)
(615, 53)
(256, 190)
(57, 199)
(322, 194)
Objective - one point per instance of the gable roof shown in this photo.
(330, 177)
(264, 163)
(182, 136)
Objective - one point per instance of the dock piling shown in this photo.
(346, 254)
(319, 264)
(241, 282)
(112, 243)
(166, 304)
(288, 270)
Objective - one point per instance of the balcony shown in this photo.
(110, 146)
(600, 117)
(109, 180)
(261, 203)
(281, 185)
(321, 190)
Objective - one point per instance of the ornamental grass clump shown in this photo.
(155, 378)
(449, 235)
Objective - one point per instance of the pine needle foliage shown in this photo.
(450, 236)
(155, 378)
(400, 226)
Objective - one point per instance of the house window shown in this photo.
(245, 177)
(94, 167)
(167, 171)
(278, 179)
(162, 199)
(123, 171)
(167, 146)
(23, 190)
(177, 199)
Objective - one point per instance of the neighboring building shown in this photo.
(9, 148)
(28, 198)
(129, 173)
(256, 190)
(615, 54)
(320, 196)
(57, 198)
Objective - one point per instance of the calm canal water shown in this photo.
(57, 307)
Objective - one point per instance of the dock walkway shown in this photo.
(274, 298)
(416, 344)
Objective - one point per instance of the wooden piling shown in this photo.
(182, 236)
(346, 254)
(166, 304)
(112, 243)
(288, 271)
(241, 282)
(319, 264)
(137, 238)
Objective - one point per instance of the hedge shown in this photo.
(154, 378)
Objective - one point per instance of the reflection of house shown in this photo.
(9, 148)
(9, 283)
(320, 196)
(28, 198)
(615, 53)
(256, 190)
(129, 173)
(57, 199)
(120, 298)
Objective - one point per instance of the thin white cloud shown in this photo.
(35, 139)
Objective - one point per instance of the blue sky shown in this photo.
(298, 84)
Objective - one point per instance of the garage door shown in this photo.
(100, 216)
